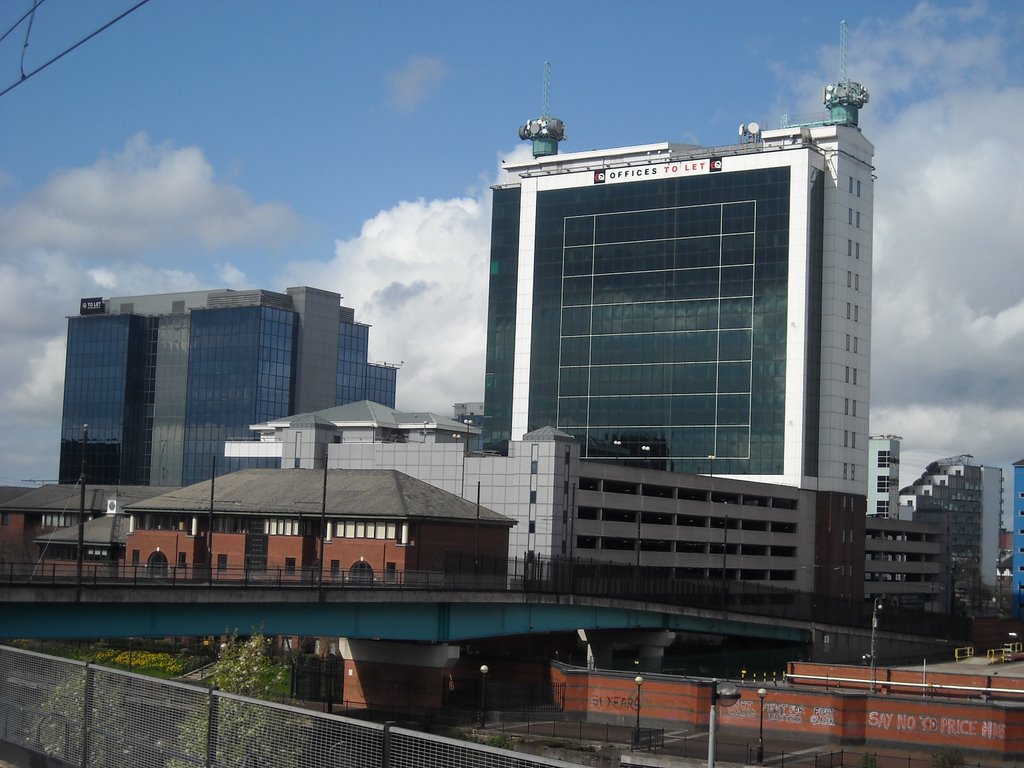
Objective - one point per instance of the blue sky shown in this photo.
(351, 146)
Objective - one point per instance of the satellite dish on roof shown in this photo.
(754, 128)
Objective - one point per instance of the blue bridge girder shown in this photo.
(424, 616)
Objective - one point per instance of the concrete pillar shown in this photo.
(403, 675)
(648, 646)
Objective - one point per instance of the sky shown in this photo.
(352, 146)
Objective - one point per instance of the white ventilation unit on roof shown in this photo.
(111, 506)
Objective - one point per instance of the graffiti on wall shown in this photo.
(613, 702)
(779, 712)
(949, 726)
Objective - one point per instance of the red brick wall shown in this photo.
(842, 716)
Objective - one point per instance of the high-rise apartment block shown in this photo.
(690, 309)
(162, 381)
(967, 499)
(884, 475)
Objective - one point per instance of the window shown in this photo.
(182, 558)
(858, 218)
(4, 517)
(853, 471)
(335, 567)
(853, 439)
(882, 507)
(884, 459)
(846, 407)
(222, 562)
(854, 375)
(533, 526)
(846, 438)
(844, 470)
(854, 407)
(857, 250)
(851, 184)
(847, 342)
(533, 467)
(848, 306)
(849, 247)
(854, 343)
(858, 187)
(847, 374)
(289, 565)
(849, 279)
(856, 313)
(856, 282)
(882, 484)
(849, 218)
(136, 557)
(533, 497)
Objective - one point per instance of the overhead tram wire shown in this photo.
(26, 75)
(28, 34)
(17, 24)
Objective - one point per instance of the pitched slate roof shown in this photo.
(385, 493)
(105, 529)
(53, 497)
(9, 492)
(369, 413)
(547, 433)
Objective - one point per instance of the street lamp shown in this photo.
(761, 693)
(484, 669)
(636, 733)
(725, 694)
(876, 607)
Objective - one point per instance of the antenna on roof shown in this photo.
(545, 131)
(845, 97)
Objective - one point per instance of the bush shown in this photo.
(948, 758)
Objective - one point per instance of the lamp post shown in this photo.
(636, 732)
(81, 508)
(876, 607)
(761, 693)
(484, 669)
(725, 694)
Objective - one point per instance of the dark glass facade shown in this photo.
(106, 386)
(240, 372)
(659, 319)
(501, 316)
(162, 392)
(357, 379)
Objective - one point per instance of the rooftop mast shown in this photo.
(545, 131)
(845, 97)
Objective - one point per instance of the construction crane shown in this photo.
(845, 97)
(545, 131)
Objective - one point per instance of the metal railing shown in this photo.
(559, 576)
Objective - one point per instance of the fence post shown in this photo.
(86, 708)
(211, 729)
(385, 751)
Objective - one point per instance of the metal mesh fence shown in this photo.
(94, 717)
(43, 703)
(409, 749)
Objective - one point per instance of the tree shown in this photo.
(246, 733)
(245, 667)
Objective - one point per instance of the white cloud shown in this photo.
(70, 238)
(948, 317)
(416, 81)
(418, 273)
(142, 198)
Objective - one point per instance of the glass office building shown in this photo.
(690, 309)
(164, 380)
